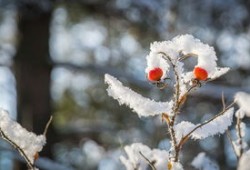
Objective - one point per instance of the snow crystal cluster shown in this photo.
(139, 155)
(243, 100)
(141, 105)
(201, 161)
(218, 126)
(28, 142)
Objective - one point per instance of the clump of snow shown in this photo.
(217, 126)
(29, 142)
(238, 146)
(185, 44)
(244, 162)
(240, 114)
(243, 100)
(141, 105)
(242, 129)
(219, 71)
(138, 153)
(201, 161)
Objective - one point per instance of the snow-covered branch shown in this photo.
(141, 105)
(213, 126)
(27, 143)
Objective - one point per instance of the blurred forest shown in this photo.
(54, 54)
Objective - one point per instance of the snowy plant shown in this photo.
(166, 61)
(141, 156)
(27, 143)
(239, 144)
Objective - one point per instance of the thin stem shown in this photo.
(231, 142)
(20, 150)
(223, 101)
(47, 125)
(149, 162)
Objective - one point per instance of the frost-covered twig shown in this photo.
(242, 99)
(187, 136)
(240, 137)
(136, 154)
(175, 109)
(27, 143)
(20, 150)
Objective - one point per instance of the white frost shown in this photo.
(201, 161)
(238, 146)
(243, 100)
(141, 105)
(185, 44)
(244, 162)
(29, 142)
(218, 125)
(137, 153)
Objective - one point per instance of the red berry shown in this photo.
(200, 73)
(155, 74)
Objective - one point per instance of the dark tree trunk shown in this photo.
(32, 70)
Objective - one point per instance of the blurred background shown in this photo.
(54, 54)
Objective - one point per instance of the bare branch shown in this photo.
(223, 101)
(47, 125)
